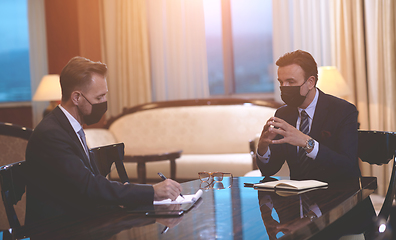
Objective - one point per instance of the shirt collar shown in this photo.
(310, 110)
(75, 124)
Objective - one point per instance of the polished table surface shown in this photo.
(235, 212)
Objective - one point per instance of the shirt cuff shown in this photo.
(314, 151)
(265, 157)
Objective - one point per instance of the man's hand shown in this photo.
(290, 134)
(167, 189)
(266, 137)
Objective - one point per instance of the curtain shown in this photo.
(177, 49)
(38, 53)
(349, 51)
(301, 24)
(381, 64)
(125, 50)
(363, 39)
(155, 51)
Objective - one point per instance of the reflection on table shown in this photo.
(304, 214)
(235, 212)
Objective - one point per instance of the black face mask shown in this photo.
(98, 109)
(291, 95)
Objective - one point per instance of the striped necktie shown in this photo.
(302, 157)
(84, 141)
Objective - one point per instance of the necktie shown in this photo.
(84, 141)
(304, 128)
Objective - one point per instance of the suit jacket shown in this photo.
(60, 180)
(334, 127)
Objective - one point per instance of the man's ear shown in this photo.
(75, 97)
(311, 82)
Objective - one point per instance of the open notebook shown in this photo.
(190, 198)
(292, 185)
(169, 208)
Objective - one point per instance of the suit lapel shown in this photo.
(65, 124)
(291, 116)
(321, 114)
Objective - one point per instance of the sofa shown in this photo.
(213, 135)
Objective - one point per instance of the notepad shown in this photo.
(190, 198)
(287, 193)
(294, 185)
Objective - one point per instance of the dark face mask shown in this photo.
(291, 95)
(98, 109)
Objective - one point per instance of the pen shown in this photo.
(165, 230)
(164, 178)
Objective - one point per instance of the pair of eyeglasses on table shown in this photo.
(214, 180)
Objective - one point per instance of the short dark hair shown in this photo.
(303, 59)
(77, 74)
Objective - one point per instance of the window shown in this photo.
(14, 52)
(239, 46)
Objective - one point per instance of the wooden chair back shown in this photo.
(105, 156)
(13, 142)
(377, 147)
(13, 183)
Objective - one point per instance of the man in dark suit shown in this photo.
(315, 133)
(62, 179)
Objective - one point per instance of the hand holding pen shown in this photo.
(167, 189)
(164, 178)
(166, 228)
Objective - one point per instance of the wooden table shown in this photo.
(237, 212)
(150, 156)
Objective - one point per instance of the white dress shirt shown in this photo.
(74, 123)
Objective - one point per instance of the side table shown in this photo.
(142, 159)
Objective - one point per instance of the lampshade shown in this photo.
(331, 81)
(49, 89)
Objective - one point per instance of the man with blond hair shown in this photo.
(63, 179)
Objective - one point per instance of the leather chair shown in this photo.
(13, 181)
(13, 185)
(377, 147)
(13, 142)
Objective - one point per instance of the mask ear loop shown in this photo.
(308, 89)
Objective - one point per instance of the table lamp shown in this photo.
(331, 82)
(49, 90)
